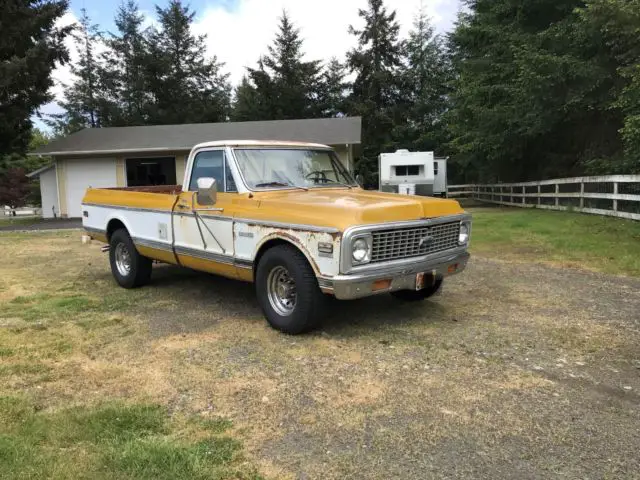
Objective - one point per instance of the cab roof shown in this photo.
(259, 143)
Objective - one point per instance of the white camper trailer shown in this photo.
(413, 173)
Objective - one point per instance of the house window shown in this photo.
(143, 172)
(435, 168)
(407, 170)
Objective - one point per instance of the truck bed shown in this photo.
(162, 197)
(169, 189)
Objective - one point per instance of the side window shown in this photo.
(435, 168)
(212, 164)
(231, 183)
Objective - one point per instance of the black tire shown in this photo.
(418, 295)
(309, 299)
(140, 267)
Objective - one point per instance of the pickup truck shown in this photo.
(288, 217)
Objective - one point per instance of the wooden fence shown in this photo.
(613, 195)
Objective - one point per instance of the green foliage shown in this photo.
(283, 86)
(83, 102)
(425, 77)
(30, 47)
(375, 62)
(539, 86)
(332, 97)
(186, 87)
(124, 77)
(521, 90)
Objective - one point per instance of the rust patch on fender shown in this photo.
(296, 241)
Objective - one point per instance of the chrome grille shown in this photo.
(408, 242)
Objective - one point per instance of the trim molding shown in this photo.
(248, 221)
(292, 226)
(143, 242)
(130, 209)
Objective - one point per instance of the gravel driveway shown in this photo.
(515, 371)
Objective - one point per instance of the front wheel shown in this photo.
(418, 295)
(129, 268)
(288, 291)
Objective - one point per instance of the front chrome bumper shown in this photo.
(358, 285)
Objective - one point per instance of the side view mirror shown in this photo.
(207, 191)
(359, 179)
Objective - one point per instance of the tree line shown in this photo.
(518, 90)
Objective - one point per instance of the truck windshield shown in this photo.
(272, 168)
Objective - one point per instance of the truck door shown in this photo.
(204, 233)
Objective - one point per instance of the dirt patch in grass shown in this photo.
(515, 370)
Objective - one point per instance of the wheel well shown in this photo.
(113, 226)
(269, 244)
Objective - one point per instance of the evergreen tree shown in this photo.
(333, 89)
(186, 87)
(246, 102)
(125, 60)
(425, 78)
(287, 87)
(83, 99)
(616, 23)
(541, 86)
(375, 61)
(30, 47)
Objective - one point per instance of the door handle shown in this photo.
(182, 205)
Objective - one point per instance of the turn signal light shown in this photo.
(453, 268)
(381, 285)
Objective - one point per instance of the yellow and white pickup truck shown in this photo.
(290, 218)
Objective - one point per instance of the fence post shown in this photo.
(557, 192)
(581, 195)
(615, 192)
(539, 191)
(524, 192)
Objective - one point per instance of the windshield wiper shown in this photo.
(330, 180)
(279, 184)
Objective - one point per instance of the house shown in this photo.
(156, 155)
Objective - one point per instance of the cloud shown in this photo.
(240, 35)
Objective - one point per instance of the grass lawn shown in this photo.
(112, 440)
(605, 244)
(8, 220)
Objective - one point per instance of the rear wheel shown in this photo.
(287, 290)
(417, 295)
(129, 268)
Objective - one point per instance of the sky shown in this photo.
(239, 31)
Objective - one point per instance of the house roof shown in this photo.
(162, 138)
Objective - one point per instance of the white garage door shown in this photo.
(81, 174)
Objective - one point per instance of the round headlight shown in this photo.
(464, 234)
(360, 250)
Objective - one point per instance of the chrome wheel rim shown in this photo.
(123, 259)
(281, 289)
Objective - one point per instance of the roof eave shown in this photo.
(41, 170)
(106, 152)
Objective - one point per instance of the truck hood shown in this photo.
(342, 208)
